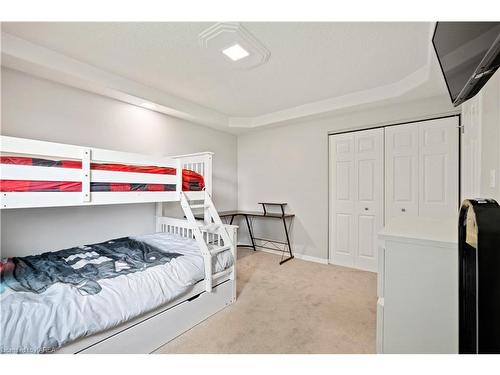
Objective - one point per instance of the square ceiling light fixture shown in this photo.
(242, 49)
(236, 52)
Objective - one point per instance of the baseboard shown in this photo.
(349, 265)
(307, 258)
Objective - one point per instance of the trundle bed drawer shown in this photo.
(159, 329)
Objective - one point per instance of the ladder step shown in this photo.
(219, 249)
(210, 227)
(199, 206)
(222, 273)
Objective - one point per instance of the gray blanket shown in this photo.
(84, 266)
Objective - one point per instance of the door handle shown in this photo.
(366, 208)
(403, 210)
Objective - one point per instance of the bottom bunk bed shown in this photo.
(129, 295)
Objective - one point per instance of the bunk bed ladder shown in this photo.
(212, 224)
(211, 213)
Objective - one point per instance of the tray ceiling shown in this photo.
(311, 67)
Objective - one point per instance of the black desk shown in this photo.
(248, 215)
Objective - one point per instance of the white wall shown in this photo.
(481, 142)
(39, 109)
(490, 134)
(277, 164)
(290, 164)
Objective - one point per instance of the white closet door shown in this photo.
(369, 208)
(401, 170)
(356, 198)
(342, 203)
(438, 167)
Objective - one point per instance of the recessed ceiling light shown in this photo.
(148, 105)
(235, 52)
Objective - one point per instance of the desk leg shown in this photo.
(250, 233)
(288, 242)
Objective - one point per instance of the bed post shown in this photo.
(233, 233)
(208, 172)
(86, 157)
(159, 214)
(178, 174)
(208, 184)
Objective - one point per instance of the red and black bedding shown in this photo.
(191, 181)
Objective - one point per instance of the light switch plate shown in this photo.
(493, 179)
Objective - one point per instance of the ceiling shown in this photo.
(309, 62)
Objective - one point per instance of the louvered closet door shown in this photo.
(401, 170)
(438, 167)
(369, 187)
(342, 200)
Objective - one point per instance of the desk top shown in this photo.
(273, 204)
(252, 213)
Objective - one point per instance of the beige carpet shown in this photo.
(299, 307)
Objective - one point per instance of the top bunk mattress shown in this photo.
(191, 181)
(52, 299)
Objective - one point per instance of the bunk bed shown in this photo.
(191, 264)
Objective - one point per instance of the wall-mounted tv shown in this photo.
(469, 54)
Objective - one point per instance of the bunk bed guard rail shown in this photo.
(199, 162)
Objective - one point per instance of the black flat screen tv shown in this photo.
(469, 54)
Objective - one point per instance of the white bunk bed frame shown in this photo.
(149, 331)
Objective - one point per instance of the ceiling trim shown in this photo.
(331, 105)
(22, 55)
(351, 100)
(27, 57)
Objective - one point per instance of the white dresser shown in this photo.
(417, 308)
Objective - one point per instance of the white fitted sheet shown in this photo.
(34, 323)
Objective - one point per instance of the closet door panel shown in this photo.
(438, 167)
(342, 200)
(369, 196)
(401, 170)
(366, 232)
